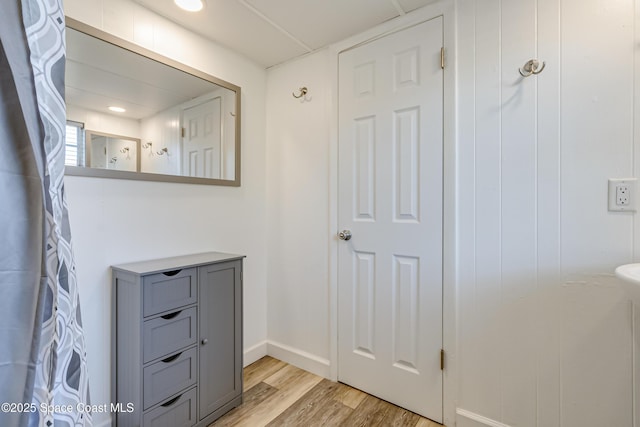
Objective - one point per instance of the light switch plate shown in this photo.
(622, 194)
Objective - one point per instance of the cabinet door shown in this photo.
(220, 314)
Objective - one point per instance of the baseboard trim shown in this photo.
(296, 357)
(479, 418)
(254, 353)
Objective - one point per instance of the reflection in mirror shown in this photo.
(150, 117)
(104, 151)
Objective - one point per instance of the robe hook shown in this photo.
(125, 150)
(303, 91)
(532, 66)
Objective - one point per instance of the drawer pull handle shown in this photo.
(171, 315)
(171, 358)
(172, 273)
(172, 401)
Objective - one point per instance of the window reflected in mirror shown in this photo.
(74, 144)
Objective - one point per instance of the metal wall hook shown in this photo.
(163, 151)
(125, 150)
(532, 66)
(303, 91)
(149, 145)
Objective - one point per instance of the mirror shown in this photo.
(105, 151)
(134, 114)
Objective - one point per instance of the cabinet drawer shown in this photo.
(169, 290)
(177, 412)
(169, 376)
(169, 333)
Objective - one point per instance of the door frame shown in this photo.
(444, 8)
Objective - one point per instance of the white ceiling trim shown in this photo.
(398, 7)
(276, 26)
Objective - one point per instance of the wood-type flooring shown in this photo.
(278, 394)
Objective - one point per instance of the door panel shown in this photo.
(201, 143)
(364, 304)
(220, 336)
(390, 197)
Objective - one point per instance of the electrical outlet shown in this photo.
(622, 194)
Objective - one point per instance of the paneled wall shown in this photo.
(544, 333)
(116, 221)
(162, 130)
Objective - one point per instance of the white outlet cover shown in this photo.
(613, 183)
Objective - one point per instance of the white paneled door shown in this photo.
(201, 140)
(390, 200)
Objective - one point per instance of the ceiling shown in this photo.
(99, 74)
(273, 31)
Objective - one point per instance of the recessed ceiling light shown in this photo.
(117, 109)
(190, 5)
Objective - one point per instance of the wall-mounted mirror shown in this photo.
(134, 114)
(115, 152)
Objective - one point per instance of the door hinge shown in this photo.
(442, 58)
(241, 276)
(442, 359)
(182, 132)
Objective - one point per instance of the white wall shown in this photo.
(544, 334)
(115, 221)
(298, 212)
(162, 130)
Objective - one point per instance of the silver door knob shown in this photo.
(204, 341)
(344, 235)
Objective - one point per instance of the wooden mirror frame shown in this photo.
(144, 176)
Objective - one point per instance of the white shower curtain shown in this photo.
(43, 374)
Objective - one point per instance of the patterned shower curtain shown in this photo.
(43, 374)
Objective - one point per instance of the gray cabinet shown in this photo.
(177, 340)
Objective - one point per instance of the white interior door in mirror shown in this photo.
(201, 144)
(194, 139)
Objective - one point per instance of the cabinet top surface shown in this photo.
(173, 263)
